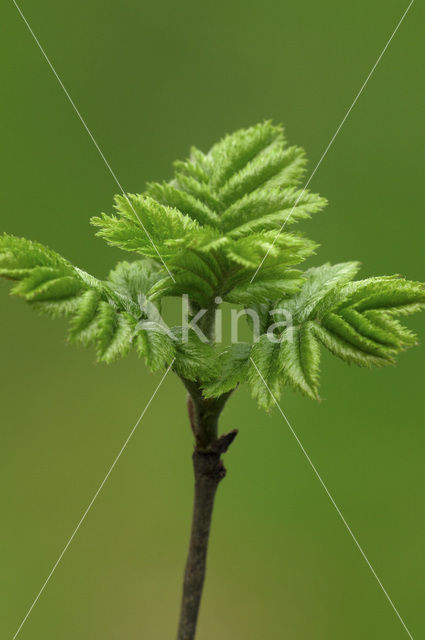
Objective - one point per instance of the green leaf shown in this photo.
(235, 151)
(269, 208)
(226, 207)
(263, 372)
(43, 278)
(361, 315)
(18, 258)
(133, 279)
(271, 283)
(233, 363)
(196, 273)
(169, 195)
(85, 316)
(154, 345)
(141, 224)
(288, 249)
(346, 351)
(299, 359)
(115, 331)
(318, 281)
(222, 215)
(354, 320)
(102, 313)
(47, 284)
(195, 360)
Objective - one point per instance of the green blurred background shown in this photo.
(151, 79)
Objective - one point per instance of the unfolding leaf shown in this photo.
(263, 372)
(195, 360)
(299, 359)
(233, 363)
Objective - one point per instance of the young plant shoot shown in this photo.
(221, 230)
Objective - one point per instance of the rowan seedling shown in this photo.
(220, 231)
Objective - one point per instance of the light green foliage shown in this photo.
(299, 359)
(195, 360)
(356, 321)
(154, 345)
(263, 373)
(224, 209)
(212, 225)
(233, 368)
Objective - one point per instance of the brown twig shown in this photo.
(209, 471)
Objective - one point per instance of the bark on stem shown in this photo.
(209, 471)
